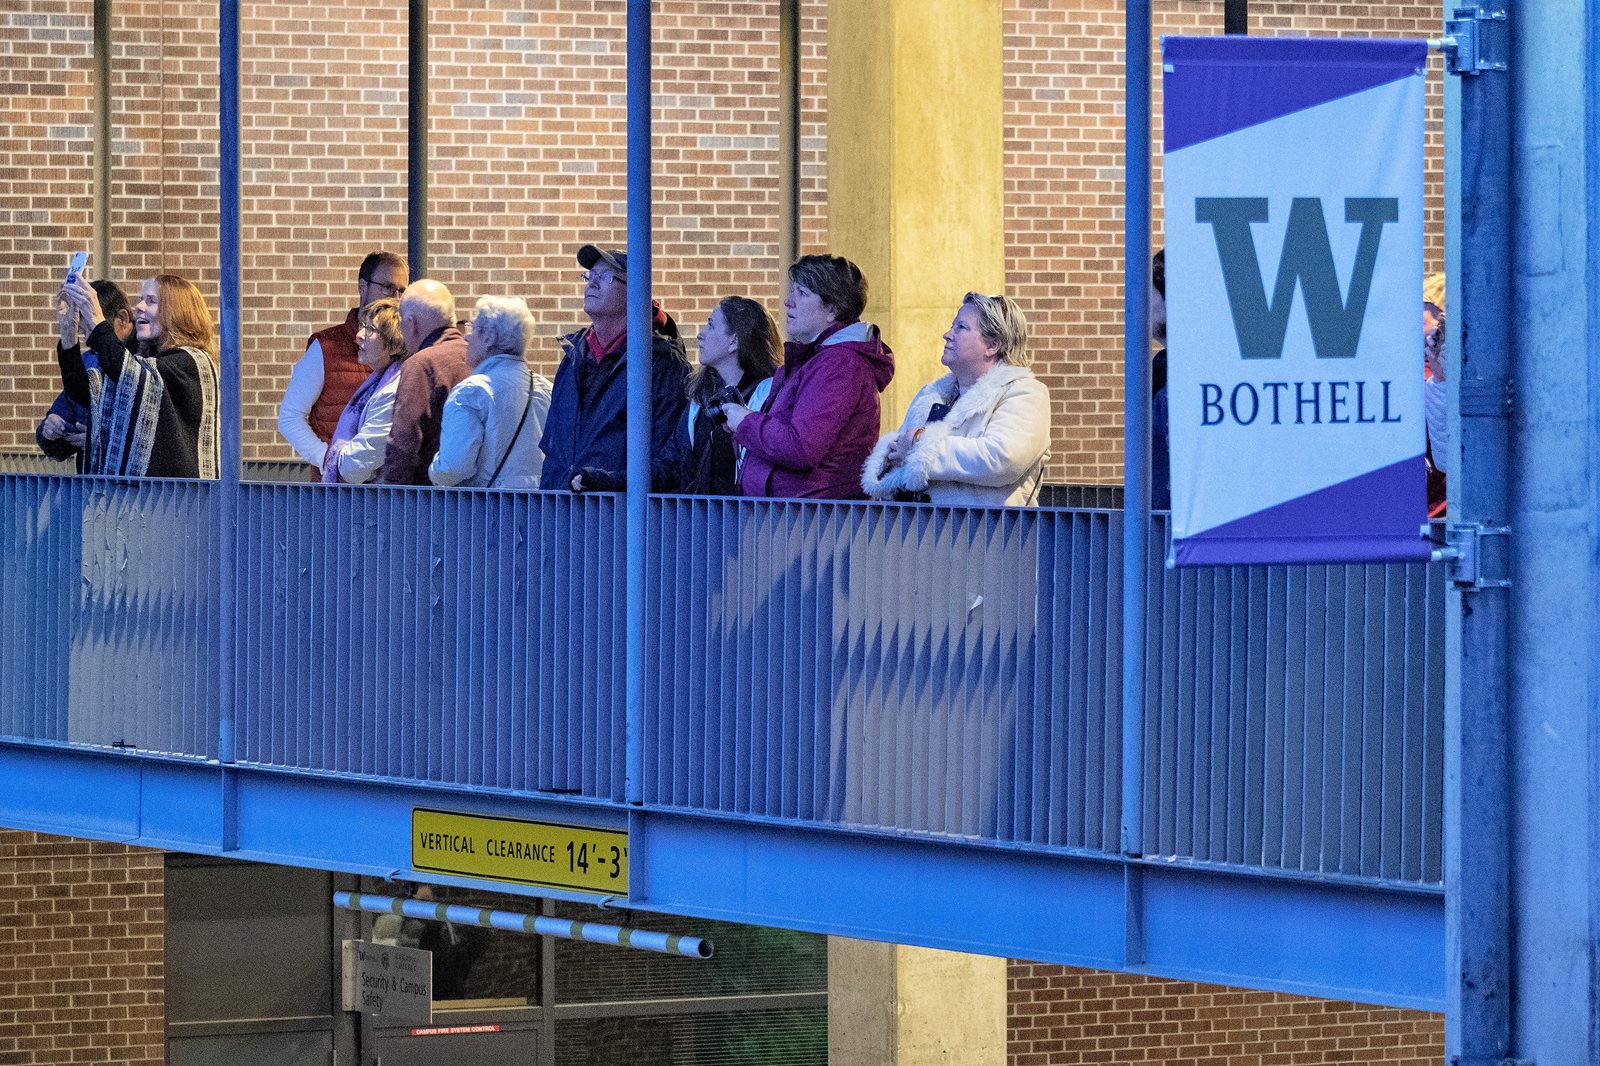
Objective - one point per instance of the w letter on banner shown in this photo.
(1294, 282)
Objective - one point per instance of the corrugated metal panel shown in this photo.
(914, 669)
(473, 638)
(925, 669)
(107, 635)
(1296, 717)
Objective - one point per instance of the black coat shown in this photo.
(586, 430)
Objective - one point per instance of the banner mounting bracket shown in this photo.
(1474, 41)
(1467, 556)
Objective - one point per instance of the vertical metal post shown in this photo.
(789, 113)
(101, 263)
(417, 139)
(1236, 16)
(1477, 722)
(230, 332)
(639, 406)
(1136, 420)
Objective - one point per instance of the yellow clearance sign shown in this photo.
(576, 857)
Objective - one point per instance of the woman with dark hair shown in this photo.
(738, 353)
(356, 449)
(822, 418)
(153, 409)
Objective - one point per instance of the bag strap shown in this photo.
(526, 407)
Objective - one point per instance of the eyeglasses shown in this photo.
(384, 287)
(597, 276)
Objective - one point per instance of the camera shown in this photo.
(726, 394)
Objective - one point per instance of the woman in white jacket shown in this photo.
(489, 433)
(978, 436)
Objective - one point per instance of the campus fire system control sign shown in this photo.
(550, 854)
(1293, 220)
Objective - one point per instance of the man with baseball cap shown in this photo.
(585, 433)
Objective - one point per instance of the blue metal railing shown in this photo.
(108, 636)
(472, 639)
(943, 672)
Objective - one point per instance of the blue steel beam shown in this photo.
(1372, 943)
(1477, 782)
(640, 335)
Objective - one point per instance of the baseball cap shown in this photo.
(589, 255)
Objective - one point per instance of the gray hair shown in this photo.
(502, 324)
(1001, 324)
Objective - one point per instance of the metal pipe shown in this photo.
(688, 947)
(230, 310)
(640, 411)
(417, 139)
(1477, 771)
(1136, 419)
(1236, 16)
(789, 112)
(102, 139)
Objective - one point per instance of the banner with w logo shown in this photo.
(1293, 217)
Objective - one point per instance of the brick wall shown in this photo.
(1061, 1016)
(80, 952)
(528, 158)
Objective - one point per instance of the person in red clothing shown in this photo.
(437, 364)
(820, 423)
(328, 374)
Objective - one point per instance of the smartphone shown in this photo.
(75, 267)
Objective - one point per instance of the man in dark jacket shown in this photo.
(437, 363)
(586, 432)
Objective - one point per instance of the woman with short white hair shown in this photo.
(489, 434)
(978, 436)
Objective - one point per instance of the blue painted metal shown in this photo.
(416, 137)
(1295, 718)
(689, 947)
(469, 638)
(1136, 415)
(640, 409)
(938, 671)
(1370, 942)
(1477, 772)
(114, 639)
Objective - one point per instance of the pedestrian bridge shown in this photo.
(899, 722)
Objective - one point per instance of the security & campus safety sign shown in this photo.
(1293, 222)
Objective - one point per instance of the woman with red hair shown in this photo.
(152, 407)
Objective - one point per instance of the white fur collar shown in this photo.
(912, 475)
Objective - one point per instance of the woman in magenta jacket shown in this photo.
(821, 420)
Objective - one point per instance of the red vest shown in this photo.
(342, 374)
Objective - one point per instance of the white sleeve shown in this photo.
(1436, 406)
(461, 433)
(362, 458)
(305, 385)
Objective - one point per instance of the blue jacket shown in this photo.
(586, 430)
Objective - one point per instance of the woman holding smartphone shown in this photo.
(153, 407)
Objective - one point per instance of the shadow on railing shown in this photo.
(108, 635)
(913, 669)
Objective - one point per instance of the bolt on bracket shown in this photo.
(1467, 561)
(1474, 41)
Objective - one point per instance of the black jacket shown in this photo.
(586, 430)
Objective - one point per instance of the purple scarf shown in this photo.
(351, 418)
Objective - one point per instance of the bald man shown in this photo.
(438, 361)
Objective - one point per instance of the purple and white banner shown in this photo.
(1293, 215)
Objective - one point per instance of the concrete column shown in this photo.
(890, 1005)
(916, 167)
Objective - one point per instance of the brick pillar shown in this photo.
(916, 167)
